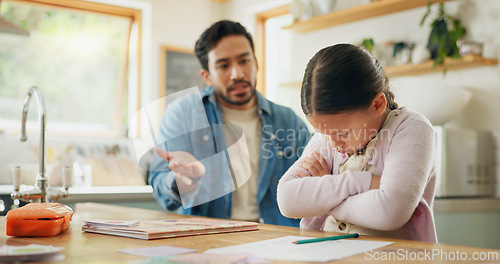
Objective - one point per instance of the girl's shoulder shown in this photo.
(407, 117)
(411, 124)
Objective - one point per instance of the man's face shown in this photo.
(232, 70)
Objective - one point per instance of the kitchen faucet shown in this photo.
(41, 192)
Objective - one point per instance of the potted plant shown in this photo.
(445, 31)
(368, 44)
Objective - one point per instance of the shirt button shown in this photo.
(273, 136)
(260, 112)
(280, 154)
(261, 220)
(342, 226)
(206, 137)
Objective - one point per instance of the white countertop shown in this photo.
(100, 193)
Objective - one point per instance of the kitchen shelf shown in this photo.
(373, 9)
(467, 61)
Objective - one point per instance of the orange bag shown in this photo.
(38, 219)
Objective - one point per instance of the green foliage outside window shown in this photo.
(76, 58)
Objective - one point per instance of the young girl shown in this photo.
(369, 169)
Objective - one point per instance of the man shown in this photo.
(226, 146)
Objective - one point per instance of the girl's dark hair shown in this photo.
(211, 36)
(341, 78)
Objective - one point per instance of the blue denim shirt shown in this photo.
(193, 123)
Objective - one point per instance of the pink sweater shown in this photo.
(404, 157)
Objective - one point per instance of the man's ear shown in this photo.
(379, 103)
(205, 75)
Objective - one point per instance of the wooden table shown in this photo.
(82, 247)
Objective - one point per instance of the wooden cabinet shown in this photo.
(470, 221)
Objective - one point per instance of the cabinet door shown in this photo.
(474, 229)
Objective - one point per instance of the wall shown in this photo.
(177, 23)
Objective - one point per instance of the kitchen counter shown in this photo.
(100, 193)
(129, 196)
(450, 213)
(83, 247)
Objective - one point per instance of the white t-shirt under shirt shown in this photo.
(244, 202)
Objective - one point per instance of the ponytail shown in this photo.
(389, 96)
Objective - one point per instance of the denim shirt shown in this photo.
(193, 123)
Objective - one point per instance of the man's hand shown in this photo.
(315, 165)
(188, 170)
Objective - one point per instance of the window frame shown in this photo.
(260, 41)
(136, 64)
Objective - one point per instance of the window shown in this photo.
(272, 46)
(78, 56)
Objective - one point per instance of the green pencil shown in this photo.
(320, 239)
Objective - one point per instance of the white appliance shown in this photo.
(466, 163)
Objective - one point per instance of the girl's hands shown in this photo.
(315, 166)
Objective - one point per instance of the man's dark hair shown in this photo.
(214, 34)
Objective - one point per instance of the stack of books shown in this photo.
(156, 229)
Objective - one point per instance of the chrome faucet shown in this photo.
(41, 192)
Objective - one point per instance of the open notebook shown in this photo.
(156, 229)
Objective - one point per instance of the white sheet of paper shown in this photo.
(283, 249)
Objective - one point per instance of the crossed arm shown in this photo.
(316, 166)
(354, 196)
